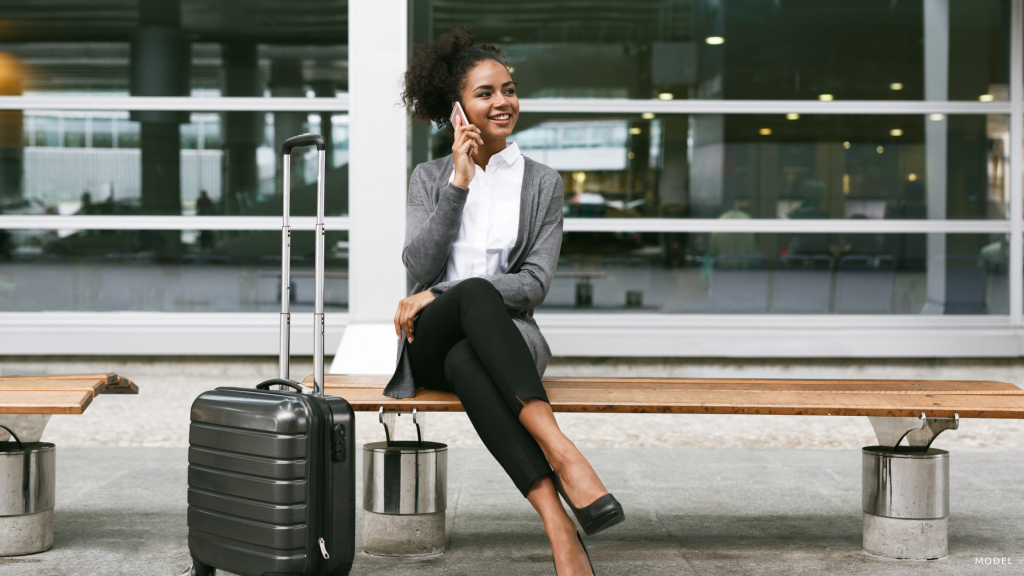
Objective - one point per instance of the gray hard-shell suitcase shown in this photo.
(271, 474)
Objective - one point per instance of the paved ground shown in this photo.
(121, 511)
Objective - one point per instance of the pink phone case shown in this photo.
(458, 118)
(458, 115)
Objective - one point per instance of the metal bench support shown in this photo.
(905, 493)
(405, 491)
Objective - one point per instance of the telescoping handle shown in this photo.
(301, 141)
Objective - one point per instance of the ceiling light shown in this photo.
(632, 155)
(665, 96)
(895, 132)
(792, 116)
(765, 131)
(912, 177)
(879, 149)
(511, 69)
(846, 145)
(896, 86)
(647, 115)
(634, 131)
(825, 97)
(937, 117)
(715, 40)
(986, 98)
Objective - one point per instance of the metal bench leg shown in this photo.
(405, 492)
(27, 482)
(906, 489)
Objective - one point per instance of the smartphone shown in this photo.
(458, 118)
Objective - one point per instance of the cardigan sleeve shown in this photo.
(527, 287)
(429, 234)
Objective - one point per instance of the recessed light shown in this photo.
(666, 96)
(511, 69)
(937, 117)
(846, 145)
(792, 116)
(647, 115)
(879, 149)
(912, 177)
(634, 131)
(895, 132)
(632, 155)
(715, 40)
(825, 97)
(896, 86)
(986, 98)
(765, 131)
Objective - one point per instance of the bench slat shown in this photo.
(45, 401)
(26, 384)
(731, 402)
(725, 384)
(108, 378)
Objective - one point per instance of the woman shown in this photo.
(483, 232)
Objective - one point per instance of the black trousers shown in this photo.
(466, 342)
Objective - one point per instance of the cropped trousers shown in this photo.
(466, 342)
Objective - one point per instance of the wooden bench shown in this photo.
(905, 500)
(881, 398)
(58, 393)
(26, 404)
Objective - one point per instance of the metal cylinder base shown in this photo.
(906, 539)
(906, 502)
(403, 534)
(26, 533)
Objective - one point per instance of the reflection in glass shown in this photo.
(97, 163)
(906, 167)
(164, 271)
(743, 49)
(747, 273)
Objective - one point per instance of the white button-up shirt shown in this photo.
(490, 219)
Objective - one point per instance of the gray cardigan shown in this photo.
(433, 219)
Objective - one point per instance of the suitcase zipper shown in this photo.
(323, 549)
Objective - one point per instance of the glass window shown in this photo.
(908, 167)
(798, 273)
(164, 270)
(225, 163)
(194, 48)
(743, 49)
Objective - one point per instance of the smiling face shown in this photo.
(490, 101)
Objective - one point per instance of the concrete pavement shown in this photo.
(121, 511)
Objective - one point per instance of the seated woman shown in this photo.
(483, 233)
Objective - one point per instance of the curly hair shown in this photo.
(438, 70)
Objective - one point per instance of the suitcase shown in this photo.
(271, 474)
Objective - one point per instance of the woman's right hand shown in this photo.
(466, 139)
(408, 308)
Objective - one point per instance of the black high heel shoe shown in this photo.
(580, 538)
(603, 513)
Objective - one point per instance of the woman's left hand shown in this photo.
(408, 308)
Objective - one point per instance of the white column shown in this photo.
(378, 128)
(936, 87)
(1016, 162)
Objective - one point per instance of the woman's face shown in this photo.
(490, 101)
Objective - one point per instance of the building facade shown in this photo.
(743, 178)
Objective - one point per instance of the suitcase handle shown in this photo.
(280, 382)
(286, 254)
(301, 141)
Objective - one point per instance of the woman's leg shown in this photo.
(517, 452)
(474, 310)
(570, 558)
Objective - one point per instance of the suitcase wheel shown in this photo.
(203, 570)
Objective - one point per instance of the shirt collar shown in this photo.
(510, 154)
